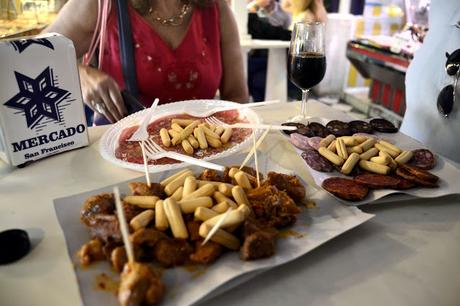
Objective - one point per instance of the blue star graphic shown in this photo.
(22, 44)
(38, 97)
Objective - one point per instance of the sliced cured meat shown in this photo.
(383, 125)
(423, 159)
(417, 176)
(306, 131)
(300, 141)
(377, 181)
(314, 142)
(339, 128)
(316, 161)
(318, 129)
(359, 126)
(346, 189)
(296, 124)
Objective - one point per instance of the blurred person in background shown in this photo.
(432, 83)
(271, 11)
(183, 50)
(305, 10)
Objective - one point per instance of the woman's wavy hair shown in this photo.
(143, 6)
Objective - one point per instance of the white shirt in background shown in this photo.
(426, 77)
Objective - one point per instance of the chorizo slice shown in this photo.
(346, 189)
(423, 159)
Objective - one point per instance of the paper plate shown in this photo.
(109, 141)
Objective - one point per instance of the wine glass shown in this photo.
(307, 60)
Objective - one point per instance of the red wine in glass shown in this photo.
(307, 69)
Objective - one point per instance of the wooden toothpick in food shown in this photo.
(146, 166)
(255, 157)
(123, 225)
(259, 142)
(216, 227)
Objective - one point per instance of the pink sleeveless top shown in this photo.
(191, 71)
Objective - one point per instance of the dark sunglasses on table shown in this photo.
(446, 97)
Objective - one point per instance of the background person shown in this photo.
(271, 11)
(426, 77)
(305, 10)
(190, 58)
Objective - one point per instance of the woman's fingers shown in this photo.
(115, 95)
(109, 105)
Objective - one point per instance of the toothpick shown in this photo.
(146, 166)
(123, 225)
(255, 157)
(217, 226)
(259, 142)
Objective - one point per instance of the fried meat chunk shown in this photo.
(210, 175)
(144, 241)
(288, 183)
(140, 285)
(206, 254)
(172, 252)
(118, 258)
(105, 227)
(272, 207)
(257, 245)
(142, 189)
(96, 205)
(90, 252)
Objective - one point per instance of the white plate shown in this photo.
(109, 141)
(185, 287)
(448, 173)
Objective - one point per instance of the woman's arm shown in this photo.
(233, 85)
(76, 21)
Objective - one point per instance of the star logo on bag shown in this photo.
(22, 44)
(38, 98)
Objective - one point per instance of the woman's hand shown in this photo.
(101, 93)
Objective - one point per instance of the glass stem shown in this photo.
(303, 108)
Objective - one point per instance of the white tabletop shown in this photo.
(407, 255)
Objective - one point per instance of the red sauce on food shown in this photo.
(130, 151)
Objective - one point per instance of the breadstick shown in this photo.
(141, 201)
(222, 237)
(369, 153)
(225, 189)
(142, 219)
(220, 197)
(176, 183)
(349, 141)
(381, 159)
(386, 149)
(374, 167)
(369, 143)
(188, 206)
(173, 133)
(219, 130)
(187, 147)
(177, 195)
(182, 122)
(235, 217)
(360, 138)
(215, 183)
(204, 191)
(325, 142)
(332, 157)
(350, 163)
(355, 149)
(404, 157)
(239, 195)
(171, 178)
(189, 129)
(190, 184)
(195, 144)
(200, 136)
(341, 149)
(221, 207)
(161, 222)
(390, 146)
(332, 146)
(165, 139)
(176, 127)
(213, 142)
(232, 172)
(175, 220)
(209, 133)
(242, 180)
(225, 137)
(203, 213)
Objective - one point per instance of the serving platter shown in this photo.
(188, 286)
(110, 139)
(448, 173)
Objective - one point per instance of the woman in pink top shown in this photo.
(190, 58)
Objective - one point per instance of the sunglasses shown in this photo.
(446, 97)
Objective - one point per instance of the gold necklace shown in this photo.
(176, 20)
